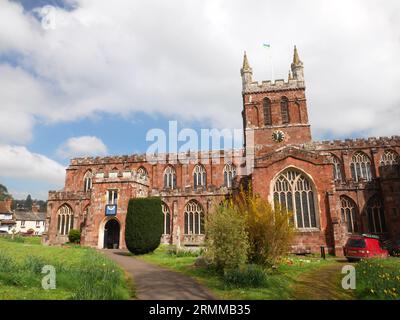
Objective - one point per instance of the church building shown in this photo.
(334, 188)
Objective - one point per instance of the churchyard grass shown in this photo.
(81, 273)
(279, 283)
(378, 279)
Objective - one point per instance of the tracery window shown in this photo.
(65, 220)
(229, 175)
(348, 210)
(389, 158)
(376, 215)
(194, 218)
(360, 167)
(142, 173)
(167, 218)
(337, 168)
(169, 178)
(87, 181)
(295, 193)
(199, 176)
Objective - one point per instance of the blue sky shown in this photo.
(105, 73)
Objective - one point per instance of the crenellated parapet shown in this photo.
(68, 195)
(182, 157)
(108, 160)
(359, 143)
(277, 85)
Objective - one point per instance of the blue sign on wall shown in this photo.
(111, 209)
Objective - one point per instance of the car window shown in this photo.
(356, 243)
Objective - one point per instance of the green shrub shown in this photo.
(7, 264)
(74, 236)
(250, 276)
(144, 225)
(33, 264)
(226, 238)
(270, 231)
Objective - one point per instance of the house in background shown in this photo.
(30, 222)
(21, 221)
(7, 221)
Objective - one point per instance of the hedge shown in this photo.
(144, 225)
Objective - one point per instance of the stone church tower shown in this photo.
(274, 113)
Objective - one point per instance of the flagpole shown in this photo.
(270, 60)
(272, 67)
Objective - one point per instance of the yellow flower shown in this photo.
(372, 291)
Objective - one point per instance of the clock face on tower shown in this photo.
(278, 136)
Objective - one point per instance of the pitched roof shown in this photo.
(3, 222)
(29, 216)
(4, 207)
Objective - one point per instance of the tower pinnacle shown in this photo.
(246, 72)
(297, 66)
(246, 65)
(296, 59)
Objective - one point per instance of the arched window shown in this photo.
(229, 175)
(376, 215)
(167, 218)
(337, 168)
(389, 158)
(267, 112)
(295, 193)
(194, 218)
(169, 178)
(360, 167)
(348, 210)
(87, 181)
(199, 176)
(142, 173)
(285, 110)
(65, 220)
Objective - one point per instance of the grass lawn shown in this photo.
(81, 273)
(279, 283)
(378, 279)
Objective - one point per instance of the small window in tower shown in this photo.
(112, 196)
(267, 112)
(285, 110)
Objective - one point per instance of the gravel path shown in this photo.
(155, 283)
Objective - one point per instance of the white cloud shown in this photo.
(182, 59)
(82, 146)
(18, 162)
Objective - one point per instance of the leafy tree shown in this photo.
(3, 192)
(226, 237)
(28, 202)
(270, 231)
(144, 225)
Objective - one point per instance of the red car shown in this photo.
(364, 246)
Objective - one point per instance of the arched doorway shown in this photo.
(111, 234)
